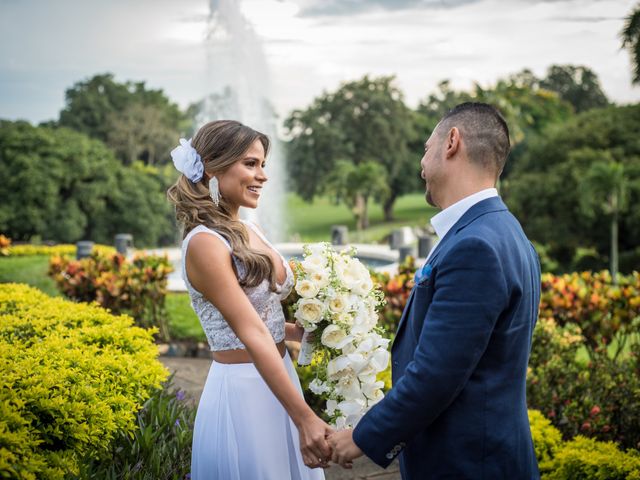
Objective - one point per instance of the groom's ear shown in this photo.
(452, 142)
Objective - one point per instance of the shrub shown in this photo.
(546, 438)
(137, 287)
(603, 310)
(396, 290)
(598, 397)
(160, 446)
(63, 249)
(72, 377)
(5, 243)
(585, 459)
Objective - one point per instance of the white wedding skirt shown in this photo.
(241, 430)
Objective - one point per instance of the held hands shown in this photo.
(344, 449)
(313, 442)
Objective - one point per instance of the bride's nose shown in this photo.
(261, 175)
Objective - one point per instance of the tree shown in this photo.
(631, 41)
(139, 132)
(61, 185)
(363, 121)
(604, 191)
(577, 85)
(354, 184)
(128, 117)
(527, 108)
(548, 189)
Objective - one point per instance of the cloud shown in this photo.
(349, 7)
(332, 8)
(583, 19)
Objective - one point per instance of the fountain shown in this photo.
(238, 79)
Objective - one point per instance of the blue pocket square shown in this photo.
(423, 274)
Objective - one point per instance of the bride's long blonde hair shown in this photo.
(220, 144)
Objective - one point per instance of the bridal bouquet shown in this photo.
(338, 308)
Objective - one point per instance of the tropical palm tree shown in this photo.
(631, 41)
(604, 190)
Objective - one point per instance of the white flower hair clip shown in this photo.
(187, 161)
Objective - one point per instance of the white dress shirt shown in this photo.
(447, 218)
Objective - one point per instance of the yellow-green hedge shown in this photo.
(546, 438)
(580, 458)
(63, 249)
(71, 377)
(588, 459)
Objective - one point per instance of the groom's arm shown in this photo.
(470, 294)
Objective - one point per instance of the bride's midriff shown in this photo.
(240, 356)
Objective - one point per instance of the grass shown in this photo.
(183, 322)
(31, 270)
(311, 222)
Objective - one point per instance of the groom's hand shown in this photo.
(344, 449)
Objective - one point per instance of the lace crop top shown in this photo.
(266, 302)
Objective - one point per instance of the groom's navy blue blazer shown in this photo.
(457, 409)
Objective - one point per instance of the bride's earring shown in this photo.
(214, 190)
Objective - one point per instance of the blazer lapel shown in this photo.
(488, 205)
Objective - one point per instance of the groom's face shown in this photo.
(432, 167)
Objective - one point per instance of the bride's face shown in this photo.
(242, 183)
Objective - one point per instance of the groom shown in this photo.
(457, 409)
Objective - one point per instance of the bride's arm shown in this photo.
(293, 333)
(210, 271)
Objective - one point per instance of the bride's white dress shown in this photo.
(241, 430)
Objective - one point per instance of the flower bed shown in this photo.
(72, 377)
(9, 250)
(137, 287)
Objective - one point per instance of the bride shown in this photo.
(252, 421)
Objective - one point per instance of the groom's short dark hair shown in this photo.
(484, 130)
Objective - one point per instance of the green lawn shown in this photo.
(183, 322)
(31, 270)
(311, 222)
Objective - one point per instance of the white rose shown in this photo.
(335, 337)
(338, 303)
(306, 288)
(347, 273)
(314, 262)
(344, 319)
(319, 277)
(309, 310)
(363, 286)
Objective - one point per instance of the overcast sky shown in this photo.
(310, 45)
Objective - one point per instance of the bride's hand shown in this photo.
(313, 442)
